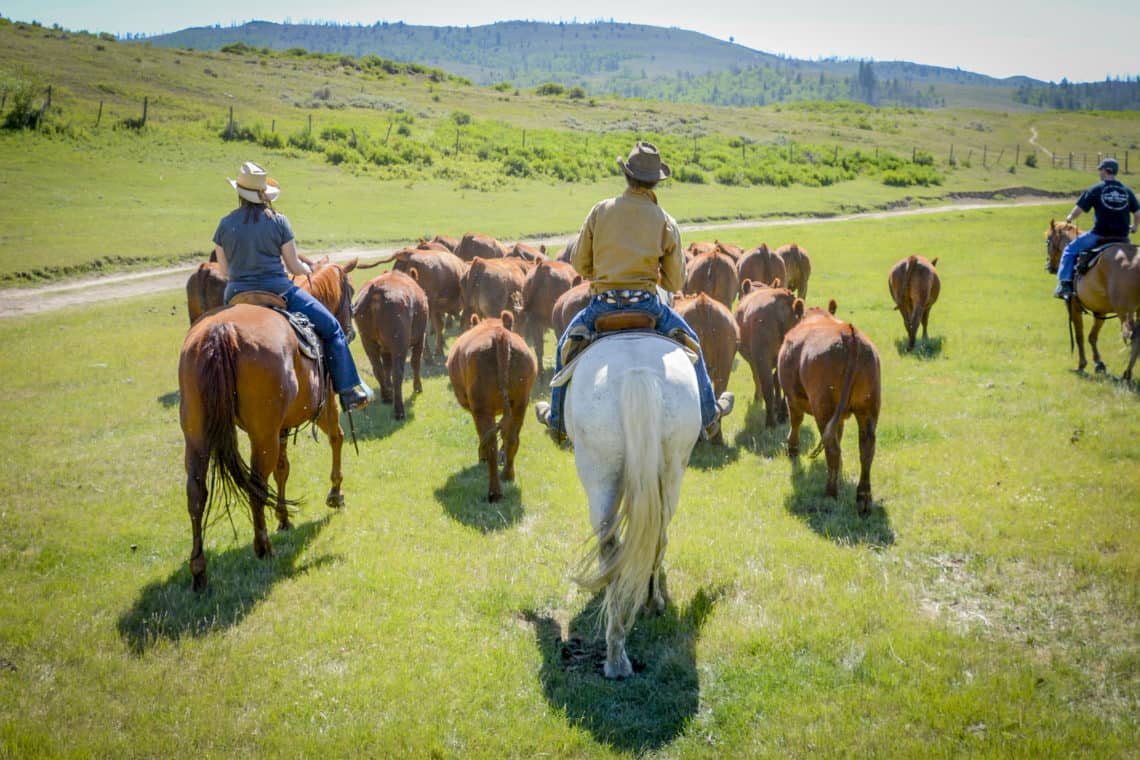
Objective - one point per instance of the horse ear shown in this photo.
(832, 306)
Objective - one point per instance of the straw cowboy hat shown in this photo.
(254, 184)
(645, 164)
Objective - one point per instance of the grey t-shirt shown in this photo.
(252, 239)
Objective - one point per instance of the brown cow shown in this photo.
(568, 251)
(568, 305)
(446, 241)
(763, 316)
(490, 286)
(732, 251)
(484, 246)
(525, 252)
(712, 322)
(797, 265)
(761, 265)
(541, 289)
(391, 315)
(205, 289)
(830, 370)
(713, 273)
(492, 371)
(914, 285)
(439, 274)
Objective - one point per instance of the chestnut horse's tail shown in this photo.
(215, 375)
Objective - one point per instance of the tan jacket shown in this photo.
(626, 241)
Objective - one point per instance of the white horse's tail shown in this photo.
(629, 547)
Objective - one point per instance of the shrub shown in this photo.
(923, 158)
(550, 88)
(693, 176)
(576, 93)
(461, 118)
(23, 93)
(1031, 160)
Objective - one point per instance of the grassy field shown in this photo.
(988, 606)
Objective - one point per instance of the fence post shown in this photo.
(1125, 162)
(1070, 160)
(310, 124)
(146, 100)
(524, 138)
(457, 139)
(951, 154)
(1017, 155)
(273, 125)
(985, 150)
(913, 153)
(99, 118)
(230, 125)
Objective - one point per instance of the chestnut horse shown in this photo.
(241, 367)
(1111, 287)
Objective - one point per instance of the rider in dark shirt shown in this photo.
(1114, 204)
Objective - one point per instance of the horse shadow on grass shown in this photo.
(925, 349)
(837, 520)
(464, 496)
(171, 399)
(1113, 381)
(238, 581)
(639, 714)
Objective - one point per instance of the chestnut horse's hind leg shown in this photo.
(1094, 334)
(329, 423)
(281, 476)
(197, 466)
(1078, 326)
(263, 460)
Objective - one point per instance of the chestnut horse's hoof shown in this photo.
(493, 497)
(335, 500)
(199, 582)
(1100, 368)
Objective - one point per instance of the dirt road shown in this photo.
(16, 302)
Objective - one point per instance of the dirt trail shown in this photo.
(16, 302)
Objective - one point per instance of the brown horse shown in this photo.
(1111, 287)
(241, 366)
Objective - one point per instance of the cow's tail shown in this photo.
(631, 542)
(502, 342)
(830, 430)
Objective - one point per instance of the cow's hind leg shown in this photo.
(866, 456)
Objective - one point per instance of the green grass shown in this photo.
(988, 605)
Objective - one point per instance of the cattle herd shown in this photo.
(506, 297)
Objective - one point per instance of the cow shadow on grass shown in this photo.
(168, 400)
(837, 520)
(639, 714)
(464, 496)
(168, 610)
(925, 349)
(757, 438)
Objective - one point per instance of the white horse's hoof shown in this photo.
(620, 669)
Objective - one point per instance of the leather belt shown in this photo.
(625, 297)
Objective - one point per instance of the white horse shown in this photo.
(633, 413)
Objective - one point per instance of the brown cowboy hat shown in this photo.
(254, 184)
(645, 164)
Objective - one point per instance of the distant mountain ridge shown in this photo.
(635, 60)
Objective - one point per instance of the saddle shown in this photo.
(618, 324)
(1086, 260)
(307, 338)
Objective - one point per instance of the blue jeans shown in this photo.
(1076, 246)
(339, 358)
(667, 321)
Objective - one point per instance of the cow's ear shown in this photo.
(746, 287)
(576, 281)
(934, 263)
(832, 306)
(414, 273)
(508, 319)
(798, 308)
(776, 282)
(474, 320)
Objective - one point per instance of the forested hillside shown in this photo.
(632, 60)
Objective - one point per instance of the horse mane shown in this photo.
(325, 284)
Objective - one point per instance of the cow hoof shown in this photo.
(335, 500)
(863, 503)
(493, 497)
(1100, 368)
(399, 415)
(793, 451)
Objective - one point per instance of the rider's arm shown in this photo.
(1077, 211)
(293, 262)
(223, 265)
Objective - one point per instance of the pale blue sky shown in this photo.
(1045, 39)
